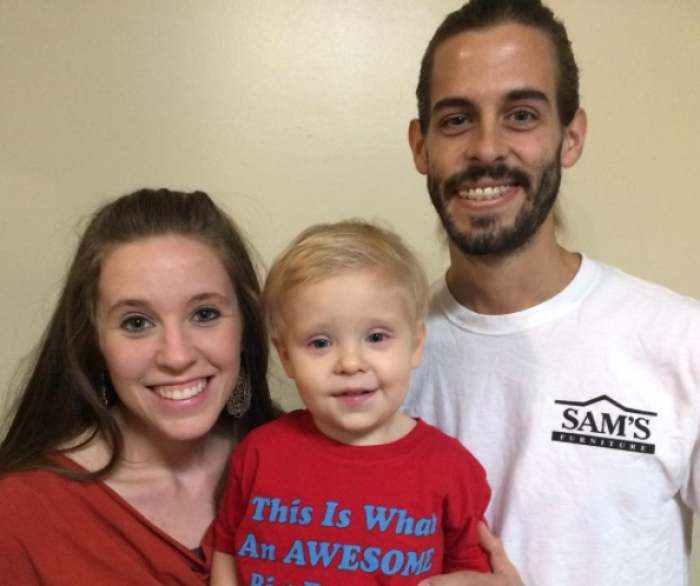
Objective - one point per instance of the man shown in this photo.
(575, 385)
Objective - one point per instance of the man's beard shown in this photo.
(485, 236)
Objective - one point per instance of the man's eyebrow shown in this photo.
(512, 96)
(453, 102)
(526, 94)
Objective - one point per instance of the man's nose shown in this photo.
(487, 143)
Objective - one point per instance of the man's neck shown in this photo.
(507, 284)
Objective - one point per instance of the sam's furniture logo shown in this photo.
(605, 423)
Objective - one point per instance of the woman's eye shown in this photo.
(135, 324)
(206, 314)
(320, 343)
(376, 337)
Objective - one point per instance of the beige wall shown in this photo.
(295, 111)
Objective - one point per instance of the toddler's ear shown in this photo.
(418, 344)
(284, 356)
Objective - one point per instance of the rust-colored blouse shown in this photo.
(60, 532)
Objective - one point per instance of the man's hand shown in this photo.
(503, 572)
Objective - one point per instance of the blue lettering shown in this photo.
(296, 554)
(330, 513)
(349, 559)
(260, 504)
(426, 526)
(343, 518)
(249, 547)
(417, 564)
(413, 563)
(321, 552)
(305, 516)
(387, 567)
(378, 516)
(404, 519)
(370, 562)
(278, 512)
(267, 551)
(428, 564)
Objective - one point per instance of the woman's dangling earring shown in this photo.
(103, 389)
(239, 401)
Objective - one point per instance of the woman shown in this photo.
(140, 388)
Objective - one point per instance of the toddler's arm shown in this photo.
(503, 571)
(223, 570)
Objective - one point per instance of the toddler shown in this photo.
(351, 490)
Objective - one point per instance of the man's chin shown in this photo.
(480, 242)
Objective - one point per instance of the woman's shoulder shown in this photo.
(23, 486)
(82, 532)
(39, 486)
(30, 503)
(27, 535)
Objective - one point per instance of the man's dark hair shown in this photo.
(481, 14)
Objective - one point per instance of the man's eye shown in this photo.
(455, 121)
(376, 337)
(320, 343)
(135, 324)
(523, 116)
(206, 314)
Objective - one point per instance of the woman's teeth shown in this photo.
(481, 193)
(181, 394)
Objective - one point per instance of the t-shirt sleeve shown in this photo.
(229, 515)
(690, 489)
(464, 507)
(234, 504)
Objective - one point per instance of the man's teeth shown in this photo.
(181, 394)
(481, 193)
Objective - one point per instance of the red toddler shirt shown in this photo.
(303, 510)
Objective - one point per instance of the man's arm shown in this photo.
(503, 572)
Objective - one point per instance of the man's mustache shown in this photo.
(476, 172)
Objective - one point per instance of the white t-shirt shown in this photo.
(584, 412)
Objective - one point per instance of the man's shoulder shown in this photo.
(440, 299)
(634, 294)
(611, 287)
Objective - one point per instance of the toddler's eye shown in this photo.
(376, 337)
(206, 314)
(320, 343)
